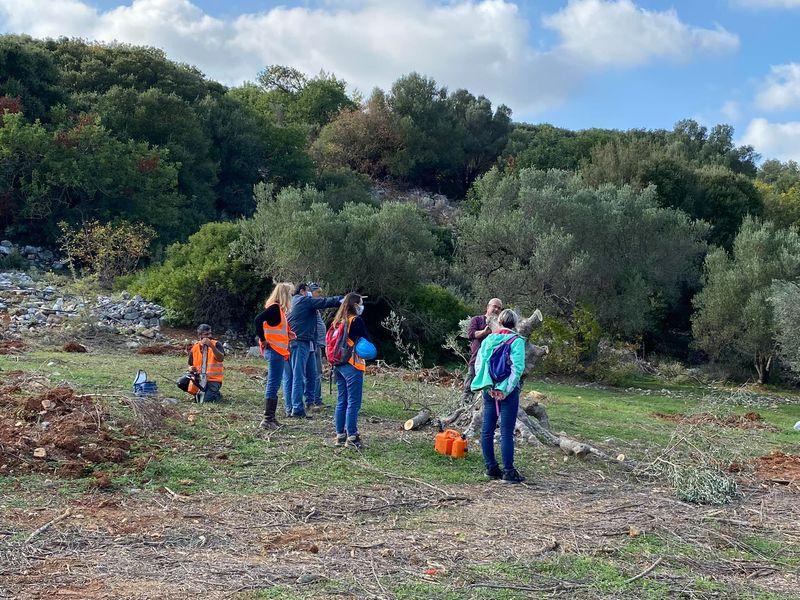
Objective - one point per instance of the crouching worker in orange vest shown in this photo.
(206, 370)
(274, 333)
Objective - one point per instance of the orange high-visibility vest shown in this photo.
(277, 337)
(355, 360)
(215, 370)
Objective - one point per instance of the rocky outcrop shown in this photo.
(41, 258)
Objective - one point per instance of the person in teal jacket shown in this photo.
(500, 399)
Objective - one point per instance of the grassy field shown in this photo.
(210, 503)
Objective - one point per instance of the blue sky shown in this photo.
(574, 63)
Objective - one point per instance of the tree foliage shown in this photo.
(734, 320)
(546, 238)
(79, 171)
(295, 235)
(201, 282)
(785, 301)
(419, 135)
(701, 174)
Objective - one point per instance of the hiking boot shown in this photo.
(314, 407)
(512, 476)
(341, 439)
(494, 472)
(354, 441)
(301, 415)
(269, 423)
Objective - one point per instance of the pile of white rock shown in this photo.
(28, 305)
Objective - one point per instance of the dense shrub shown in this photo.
(431, 312)
(201, 282)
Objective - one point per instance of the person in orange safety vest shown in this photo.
(274, 333)
(206, 359)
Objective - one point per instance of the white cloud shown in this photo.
(768, 3)
(781, 89)
(731, 110)
(482, 45)
(774, 140)
(618, 33)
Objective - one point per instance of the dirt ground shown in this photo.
(355, 543)
(750, 420)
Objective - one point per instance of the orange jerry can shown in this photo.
(450, 443)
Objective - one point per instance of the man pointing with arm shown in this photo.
(303, 321)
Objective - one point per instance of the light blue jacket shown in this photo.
(482, 379)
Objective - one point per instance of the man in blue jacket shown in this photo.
(303, 321)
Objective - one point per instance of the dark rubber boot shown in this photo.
(269, 421)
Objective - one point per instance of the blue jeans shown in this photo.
(313, 385)
(294, 377)
(349, 386)
(509, 407)
(275, 364)
(318, 355)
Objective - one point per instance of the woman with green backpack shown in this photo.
(347, 347)
(498, 369)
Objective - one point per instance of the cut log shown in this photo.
(417, 421)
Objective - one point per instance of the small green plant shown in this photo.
(106, 250)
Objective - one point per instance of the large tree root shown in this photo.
(536, 431)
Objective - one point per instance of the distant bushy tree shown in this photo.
(781, 207)
(781, 176)
(418, 135)
(690, 171)
(28, 72)
(546, 238)
(81, 172)
(294, 235)
(166, 120)
(547, 147)
(367, 140)
(292, 97)
(734, 320)
(785, 300)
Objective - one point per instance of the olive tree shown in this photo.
(545, 238)
(734, 321)
(785, 301)
(296, 235)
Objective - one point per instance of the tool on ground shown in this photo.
(450, 443)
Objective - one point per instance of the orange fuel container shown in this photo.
(450, 443)
(459, 447)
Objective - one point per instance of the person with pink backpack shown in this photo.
(347, 347)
